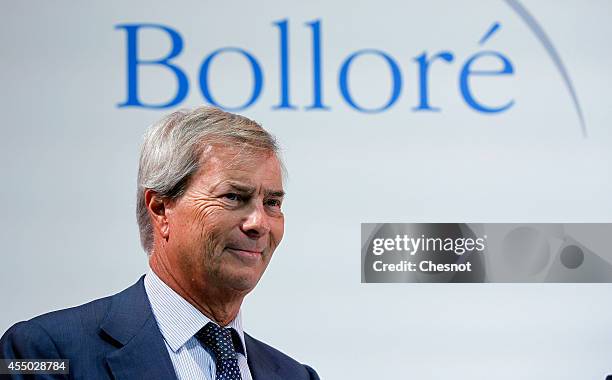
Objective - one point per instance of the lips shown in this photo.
(247, 257)
(247, 251)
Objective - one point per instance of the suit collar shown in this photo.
(128, 313)
(177, 319)
(260, 363)
(142, 352)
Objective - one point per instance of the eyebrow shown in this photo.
(242, 188)
(274, 193)
(251, 189)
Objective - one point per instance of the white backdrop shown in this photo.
(70, 157)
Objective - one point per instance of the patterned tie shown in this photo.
(219, 340)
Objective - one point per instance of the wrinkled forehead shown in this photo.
(241, 160)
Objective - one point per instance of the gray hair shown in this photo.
(171, 150)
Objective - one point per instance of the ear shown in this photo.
(156, 205)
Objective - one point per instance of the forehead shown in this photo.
(249, 165)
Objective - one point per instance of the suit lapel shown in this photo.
(261, 365)
(142, 353)
(143, 357)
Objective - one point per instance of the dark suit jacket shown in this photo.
(117, 338)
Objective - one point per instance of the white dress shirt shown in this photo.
(179, 321)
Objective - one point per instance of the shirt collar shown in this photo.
(178, 320)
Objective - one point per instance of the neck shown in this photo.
(219, 305)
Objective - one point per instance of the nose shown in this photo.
(256, 223)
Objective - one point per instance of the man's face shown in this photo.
(224, 229)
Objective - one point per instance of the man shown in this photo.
(209, 211)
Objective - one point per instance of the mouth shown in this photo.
(245, 254)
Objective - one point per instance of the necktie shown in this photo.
(219, 340)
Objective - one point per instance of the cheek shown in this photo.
(217, 228)
(190, 225)
(277, 230)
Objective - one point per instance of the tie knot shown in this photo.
(218, 339)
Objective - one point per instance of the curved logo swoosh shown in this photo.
(552, 52)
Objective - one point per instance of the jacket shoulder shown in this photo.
(65, 331)
(286, 363)
(47, 334)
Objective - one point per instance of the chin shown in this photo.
(242, 286)
(241, 282)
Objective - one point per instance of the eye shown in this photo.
(275, 203)
(232, 197)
